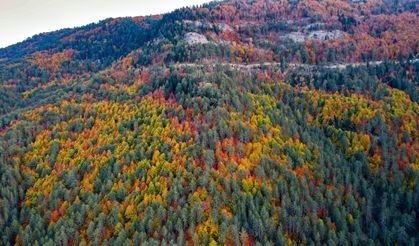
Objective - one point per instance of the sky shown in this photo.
(20, 19)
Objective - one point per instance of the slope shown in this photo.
(110, 136)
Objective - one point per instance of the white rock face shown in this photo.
(325, 35)
(314, 35)
(296, 36)
(198, 24)
(225, 27)
(195, 38)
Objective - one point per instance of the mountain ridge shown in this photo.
(241, 122)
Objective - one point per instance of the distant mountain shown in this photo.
(237, 122)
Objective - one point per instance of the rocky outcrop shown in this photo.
(320, 35)
(195, 38)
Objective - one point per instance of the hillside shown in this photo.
(239, 122)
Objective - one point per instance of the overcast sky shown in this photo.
(20, 19)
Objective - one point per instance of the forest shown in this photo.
(238, 122)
